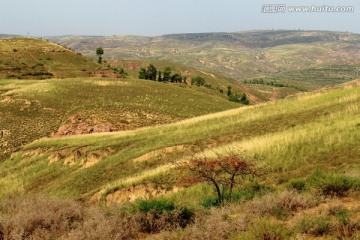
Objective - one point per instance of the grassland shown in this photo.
(29, 58)
(31, 109)
(300, 60)
(294, 136)
(104, 140)
(307, 145)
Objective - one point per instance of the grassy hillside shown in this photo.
(96, 158)
(237, 55)
(291, 138)
(307, 148)
(29, 58)
(31, 109)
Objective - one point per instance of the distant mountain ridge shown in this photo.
(240, 55)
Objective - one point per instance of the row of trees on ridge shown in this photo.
(151, 73)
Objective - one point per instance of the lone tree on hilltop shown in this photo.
(222, 173)
(99, 53)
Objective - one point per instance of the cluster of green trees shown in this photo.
(270, 83)
(151, 73)
(198, 81)
(120, 71)
(239, 98)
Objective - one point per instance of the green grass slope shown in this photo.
(29, 58)
(291, 138)
(31, 109)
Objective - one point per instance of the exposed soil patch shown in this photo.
(274, 95)
(79, 125)
(128, 65)
(253, 99)
(353, 84)
(104, 74)
(110, 121)
(130, 194)
(80, 156)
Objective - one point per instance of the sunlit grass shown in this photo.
(306, 132)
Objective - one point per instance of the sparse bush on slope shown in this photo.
(38, 217)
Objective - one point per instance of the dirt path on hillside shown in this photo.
(274, 95)
(253, 99)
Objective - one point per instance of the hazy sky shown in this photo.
(157, 17)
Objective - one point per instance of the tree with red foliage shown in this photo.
(223, 173)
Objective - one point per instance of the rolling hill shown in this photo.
(239, 55)
(292, 138)
(72, 98)
(30, 58)
(85, 155)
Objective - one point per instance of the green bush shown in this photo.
(243, 194)
(211, 202)
(317, 226)
(198, 81)
(298, 185)
(156, 205)
(341, 214)
(336, 185)
(265, 229)
(158, 215)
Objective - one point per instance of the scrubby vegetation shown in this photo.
(87, 166)
(275, 215)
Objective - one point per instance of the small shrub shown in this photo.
(317, 226)
(280, 204)
(38, 217)
(237, 196)
(336, 185)
(245, 195)
(298, 185)
(267, 230)
(211, 202)
(159, 214)
(345, 227)
(154, 222)
(11, 76)
(341, 214)
(155, 205)
(198, 81)
(259, 189)
(216, 224)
